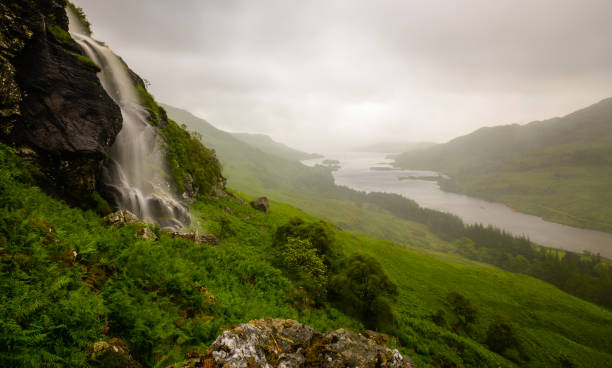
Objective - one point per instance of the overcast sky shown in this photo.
(326, 74)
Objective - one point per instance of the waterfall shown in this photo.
(133, 176)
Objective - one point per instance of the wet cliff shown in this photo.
(53, 108)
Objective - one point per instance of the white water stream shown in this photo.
(133, 175)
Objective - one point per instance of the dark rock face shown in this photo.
(285, 343)
(261, 204)
(52, 104)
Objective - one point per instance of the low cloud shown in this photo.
(326, 74)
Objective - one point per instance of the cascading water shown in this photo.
(133, 176)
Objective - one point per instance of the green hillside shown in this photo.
(257, 173)
(164, 297)
(268, 145)
(560, 169)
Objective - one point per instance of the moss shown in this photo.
(60, 34)
(81, 16)
(186, 157)
(87, 62)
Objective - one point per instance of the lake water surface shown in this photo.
(356, 173)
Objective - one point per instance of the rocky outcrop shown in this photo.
(287, 343)
(52, 105)
(261, 204)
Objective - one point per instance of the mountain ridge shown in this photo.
(542, 163)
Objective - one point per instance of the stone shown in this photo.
(286, 343)
(122, 217)
(111, 354)
(147, 233)
(218, 192)
(196, 237)
(261, 204)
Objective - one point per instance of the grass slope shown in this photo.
(157, 295)
(257, 173)
(560, 169)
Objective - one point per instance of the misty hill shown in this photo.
(559, 168)
(249, 168)
(395, 146)
(268, 145)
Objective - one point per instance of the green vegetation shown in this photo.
(60, 34)
(548, 323)
(167, 296)
(381, 215)
(68, 280)
(192, 167)
(87, 62)
(559, 169)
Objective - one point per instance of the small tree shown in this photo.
(319, 234)
(463, 309)
(363, 289)
(501, 336)
(305, 266)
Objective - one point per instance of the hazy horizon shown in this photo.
(321, 74)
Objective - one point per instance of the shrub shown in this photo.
(319, 234)
(465, 312)
(503, 339)
(306, 267)
(364, 290)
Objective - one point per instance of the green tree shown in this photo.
(502, 337)
(363, 289)
(302, 261)
(463, 309)
(319, 234)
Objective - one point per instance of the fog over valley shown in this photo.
(315, 74)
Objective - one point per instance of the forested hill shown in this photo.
(268, 145)
(560, 168)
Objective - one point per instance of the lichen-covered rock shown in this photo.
(111, 354)
(121, 217)
(261, 204)
(286, 343)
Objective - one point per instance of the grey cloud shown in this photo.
(318, 74)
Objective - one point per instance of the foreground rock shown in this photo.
(286, 343)
(261, 204)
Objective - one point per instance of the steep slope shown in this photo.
(560, 168)
(68, 280)
(268, 145)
